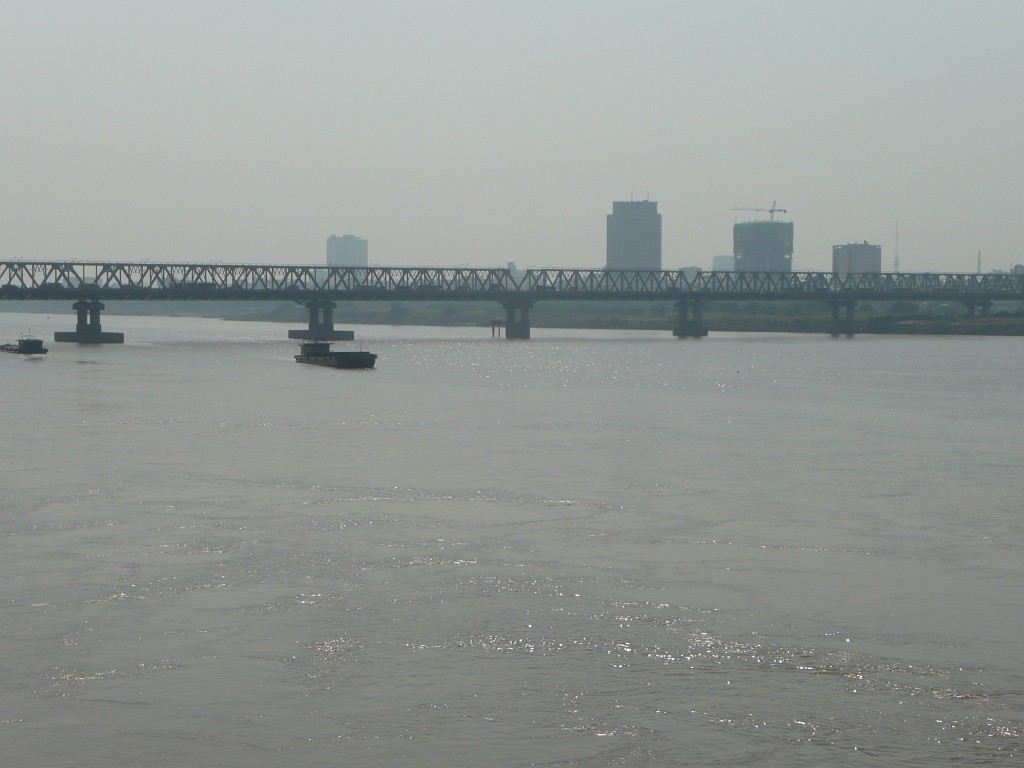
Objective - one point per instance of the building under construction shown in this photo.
(763, 246)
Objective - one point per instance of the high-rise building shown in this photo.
(856, 258)
(347, 251)
(634, 235)
(724, 263)
(763, 246)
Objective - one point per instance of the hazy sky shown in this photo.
(479, 132)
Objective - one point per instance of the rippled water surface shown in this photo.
(589, 549)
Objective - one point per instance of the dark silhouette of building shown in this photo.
(634, 235)
(763, 246)
(856, 258)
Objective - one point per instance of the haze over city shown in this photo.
(477, 133)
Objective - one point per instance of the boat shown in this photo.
(26, 345)
(320, 353)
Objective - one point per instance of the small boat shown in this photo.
(26, 345)
(320, 353)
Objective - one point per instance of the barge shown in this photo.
(320, 353)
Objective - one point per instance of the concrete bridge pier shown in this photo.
(843, 325)
(88, 329)
(321, 323)
(517, 319)
(984, 305)
(687, 327)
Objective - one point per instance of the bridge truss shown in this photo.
(144, 280)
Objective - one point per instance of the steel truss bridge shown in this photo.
(320, 286)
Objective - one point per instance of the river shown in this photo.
(594, 548)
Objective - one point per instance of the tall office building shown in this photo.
(634, 235)
(763, 246)
(856, 258)
(347, 251)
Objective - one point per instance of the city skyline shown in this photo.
(446, 131)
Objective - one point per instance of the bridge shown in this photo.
(88, 284)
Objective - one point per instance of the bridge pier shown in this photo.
(321, 323)
(517, 319)
(687, 327)
(88, 329)
(843, 326)
(985, 305)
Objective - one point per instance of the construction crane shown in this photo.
(770, 211)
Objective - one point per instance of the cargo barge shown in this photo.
(320, 353)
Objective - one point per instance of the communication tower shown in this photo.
(896, 261)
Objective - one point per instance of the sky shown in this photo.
(472, 132)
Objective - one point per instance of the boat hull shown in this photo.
(351, 360)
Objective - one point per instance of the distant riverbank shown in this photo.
(880, 324)
(795, 317)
